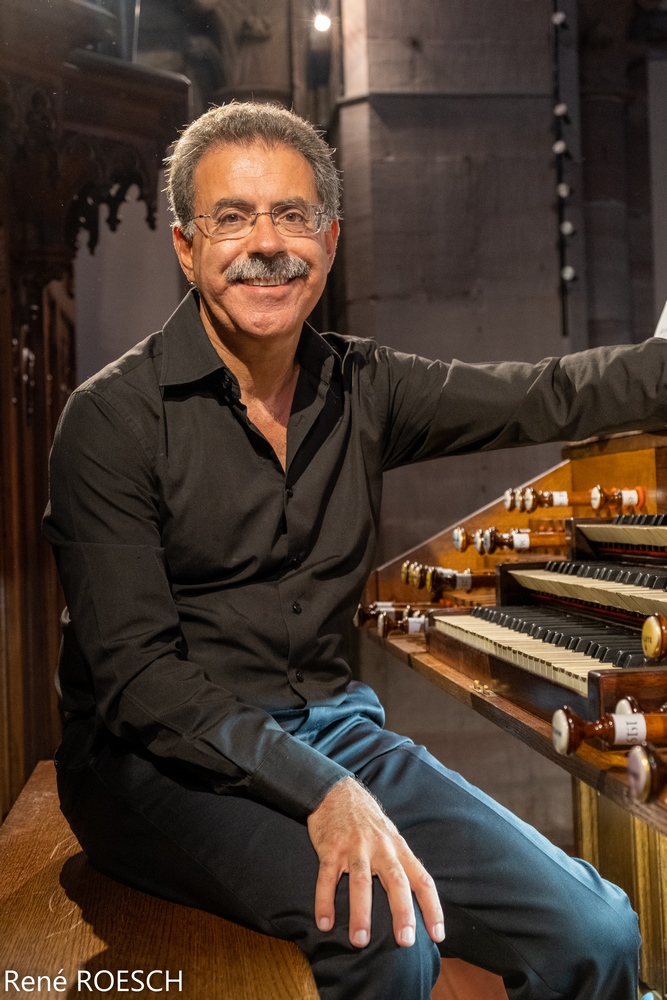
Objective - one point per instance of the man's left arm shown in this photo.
(434, 408)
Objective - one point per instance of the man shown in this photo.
(215, 498)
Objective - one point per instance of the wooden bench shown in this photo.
(59, 917)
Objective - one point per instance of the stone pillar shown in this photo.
(615, 143)
(450, 245)
(640, 229)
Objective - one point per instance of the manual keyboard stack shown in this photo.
(564, 625)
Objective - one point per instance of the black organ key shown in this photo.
(652, 577)
(631, 660)
(609, 654)
(605, 642)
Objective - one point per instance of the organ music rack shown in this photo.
(520, 702)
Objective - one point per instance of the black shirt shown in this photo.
(207, 587)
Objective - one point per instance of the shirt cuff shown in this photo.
(295, 778)
(661, 328)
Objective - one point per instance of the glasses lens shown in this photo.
(231, 222)
(297, 220)
(290, 220)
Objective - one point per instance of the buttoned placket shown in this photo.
(292, 599)
(317, 361)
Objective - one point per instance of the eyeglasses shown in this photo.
(289, 220)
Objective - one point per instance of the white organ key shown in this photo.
(553, 662)
(626, 596)
(630, 534)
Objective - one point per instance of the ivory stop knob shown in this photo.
(654, 637)
(461, 539)
(508, 500)
(560, 731)
(640, 774)
(530, 499)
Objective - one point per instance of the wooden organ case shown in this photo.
(537, 601)
(78, 127)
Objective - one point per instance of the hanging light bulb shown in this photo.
(322, 22)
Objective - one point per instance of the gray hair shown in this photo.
(242, 124)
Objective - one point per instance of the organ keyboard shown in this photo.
(595, 579)
(637, 592)
(565, 666)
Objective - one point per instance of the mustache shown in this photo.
(283, 268)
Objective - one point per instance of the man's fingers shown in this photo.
(325, 894)
(400, 876)
(361, 901)
(395, 882)
(424, 889)
(351, 833)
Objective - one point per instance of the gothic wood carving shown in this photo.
(74, 137)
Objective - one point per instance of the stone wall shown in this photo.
(450, 234)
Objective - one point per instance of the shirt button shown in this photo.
(290, 492)
(296, 608)
(299, 676)
(296, 562)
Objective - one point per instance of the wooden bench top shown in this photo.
(58, 913)
(58, 916)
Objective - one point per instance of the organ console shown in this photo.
(555, 595)
(558, 605)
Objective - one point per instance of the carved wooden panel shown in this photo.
(11, 653)
(77, 130)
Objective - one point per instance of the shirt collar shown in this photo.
(188, 354)
(315, 354)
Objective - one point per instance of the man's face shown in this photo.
(262, 178)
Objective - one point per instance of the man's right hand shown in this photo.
(352, 834)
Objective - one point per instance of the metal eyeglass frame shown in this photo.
(319, 213)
